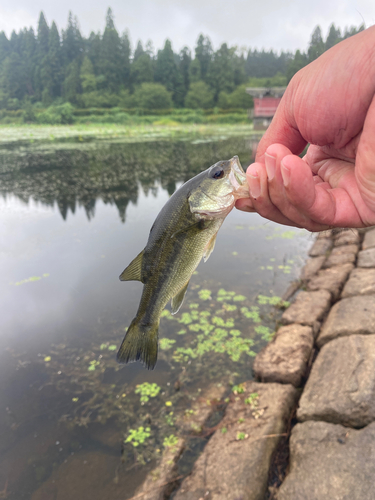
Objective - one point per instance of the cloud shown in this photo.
(267, 24)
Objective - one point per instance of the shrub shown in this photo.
(199, 96)
(152, 96)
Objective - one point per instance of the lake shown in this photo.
(73, 214)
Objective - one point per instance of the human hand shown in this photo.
(330, 104)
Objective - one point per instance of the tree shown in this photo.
(87, 77)
(220, 76)
(72, 42)
(299, 61)
(111, 66)
(199, 96)
(142, 70)
(125, 58)
(334, 36)
(138, 51)
(54, 62)
(168, 74)
(237, 99)
(204, 53)
(184, 67)
(152, 96)
(316, 47)
(72, 82)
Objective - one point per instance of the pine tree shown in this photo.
(138, 51)
(204, 53)
(168, 74)
(87, 76)
(54, 62)
(220, 76)
(334, 36)
(4, 46)
(72, 42)
(110, 56)
(184, 66)
(125, 58)
(316, 47)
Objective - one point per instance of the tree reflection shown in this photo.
(113, 173)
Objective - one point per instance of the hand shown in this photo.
(330, 104)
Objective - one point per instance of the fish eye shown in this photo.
(217, 173)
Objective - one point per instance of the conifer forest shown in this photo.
(52, 70)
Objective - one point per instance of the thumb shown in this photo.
(365, 159)
(283, 129)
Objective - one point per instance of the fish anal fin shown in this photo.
(178, 299)
(209, 248)
(134, 270)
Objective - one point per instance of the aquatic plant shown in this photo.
(273, 301)
(147, 391)
(170, 441)
(138, 436)
(264, 332)
(165, 344)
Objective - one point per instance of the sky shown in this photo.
(263, 24)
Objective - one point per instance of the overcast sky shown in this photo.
(276, 24)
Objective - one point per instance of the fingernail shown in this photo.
(254, 181)
(285, 174)
(270, 166)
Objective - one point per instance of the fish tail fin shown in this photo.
(140, 343)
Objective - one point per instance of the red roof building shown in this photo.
(266, 101)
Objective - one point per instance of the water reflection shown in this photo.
(112, 173)
(68, 406)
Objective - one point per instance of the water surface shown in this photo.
(71, 219)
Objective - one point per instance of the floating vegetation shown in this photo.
(273, 301)
(204, 294)
(138, 436)
(166, 344)
(265, 332)
(286, 235)
(30, 280)
(147, 391)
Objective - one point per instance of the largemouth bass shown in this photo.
(184, 231)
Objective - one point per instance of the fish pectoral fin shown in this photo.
(178, 299)
(209, 248)
(134, 270)
(200, 225)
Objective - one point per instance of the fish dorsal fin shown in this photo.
(209, 248)
(134, 270)
(178, 299)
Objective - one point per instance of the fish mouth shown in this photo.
(237, 178)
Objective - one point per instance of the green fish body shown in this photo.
(184, 231)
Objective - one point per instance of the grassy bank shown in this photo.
(25, 133)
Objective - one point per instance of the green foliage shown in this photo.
(62, 114)
(147, 391)
(238, 389)
(166, 344)
(170, 441)
(152, 96)
(101, 71)
(236, 99)
(273, 301)
(204, 294)
(199, 96)
(138, 436)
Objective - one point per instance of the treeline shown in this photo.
(102, 71)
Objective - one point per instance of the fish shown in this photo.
(184, 231)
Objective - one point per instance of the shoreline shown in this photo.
(298, 430)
